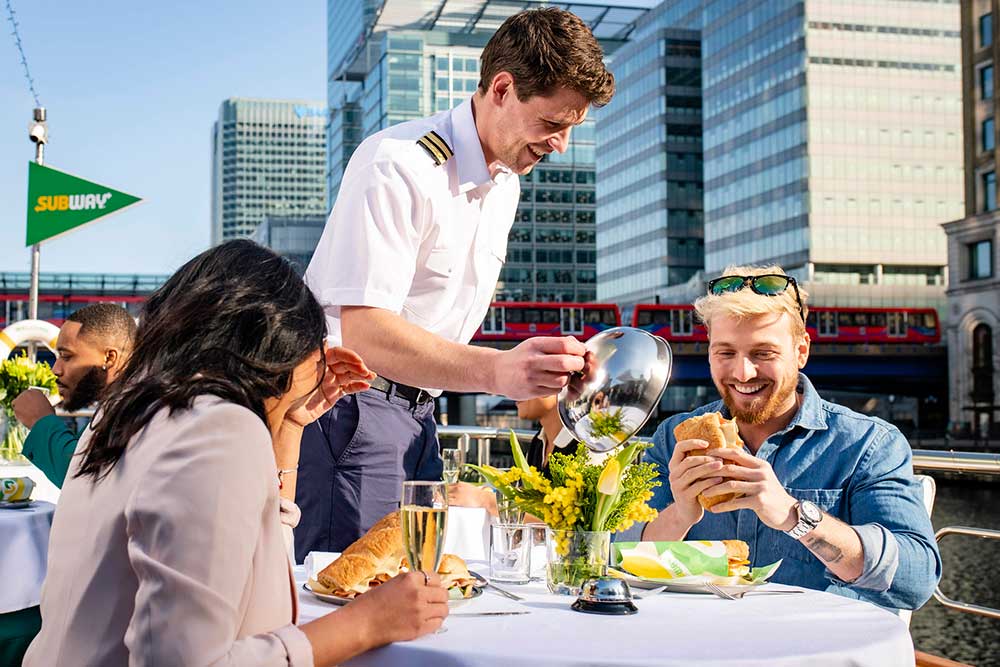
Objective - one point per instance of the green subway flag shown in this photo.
(59, 202)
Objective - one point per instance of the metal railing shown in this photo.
(955, 604)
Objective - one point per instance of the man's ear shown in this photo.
(112, 357)
(500, 88)
(802, 350)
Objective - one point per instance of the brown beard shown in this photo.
(759, 414)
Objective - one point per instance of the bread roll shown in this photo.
(372, 559)
(719, 433)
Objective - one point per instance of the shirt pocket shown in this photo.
(441, 262)
(830, 501)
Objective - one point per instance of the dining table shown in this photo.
(788, 627)
(24, 545)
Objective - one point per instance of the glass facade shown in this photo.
(649, 168)
(268, 156)
(294, 237)
(866, 179)
(404, 74)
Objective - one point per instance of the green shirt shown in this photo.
(50, 446)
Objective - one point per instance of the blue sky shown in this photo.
(132, 90)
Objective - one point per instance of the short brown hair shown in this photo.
(545, 49)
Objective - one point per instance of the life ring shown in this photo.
(28, 331)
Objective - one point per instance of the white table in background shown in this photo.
(24, 546)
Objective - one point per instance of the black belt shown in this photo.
(390, 388)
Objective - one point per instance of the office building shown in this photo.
(649, 167)
(293, 236)
(973, 242)
(268, 156)
(832, 143)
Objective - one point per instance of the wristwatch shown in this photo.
(809, 518)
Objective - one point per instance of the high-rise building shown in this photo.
(268, 156)
(974, 242)
(293, 236)
(649, 168)
(414, 59)
(832, 143)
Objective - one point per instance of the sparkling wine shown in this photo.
(451, 476)
(423, 535)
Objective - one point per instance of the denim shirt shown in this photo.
(855, 468)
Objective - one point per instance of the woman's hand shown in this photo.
(346, 373)
(463, 494)
(403, 608)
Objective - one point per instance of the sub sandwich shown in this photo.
(719, 433)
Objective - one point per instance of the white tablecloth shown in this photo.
(814, 628)
(24, 545)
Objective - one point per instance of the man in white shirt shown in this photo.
(409, 259)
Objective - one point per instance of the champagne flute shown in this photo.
(453, 459)
(424, 515)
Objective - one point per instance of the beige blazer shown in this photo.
(176, 558)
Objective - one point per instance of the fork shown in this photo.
(738, 595)
(505, 593)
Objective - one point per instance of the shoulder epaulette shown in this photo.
(436, 147)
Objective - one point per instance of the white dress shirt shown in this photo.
(422, 240)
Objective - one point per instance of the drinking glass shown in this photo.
(510, 553)
(453, 460)
(424, 515)
(507, 511)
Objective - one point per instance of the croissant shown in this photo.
(719, 433)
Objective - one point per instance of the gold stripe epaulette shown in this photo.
(436, 147)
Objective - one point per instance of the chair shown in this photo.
(930, 491)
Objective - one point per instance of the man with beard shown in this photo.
(829, 491)
(92, 348)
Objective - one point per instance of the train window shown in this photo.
(929, 322)
(844, 320)
(644, 318)
(680, 322)
(572, 320)
(876, 320)
(609, 318)
(661, 317)
(532, 315)
(811, 320)
(494, 322)
(897, 324)
(827, 324)
(514, 315)
(593, 316)
(550, 316)
(861, 319)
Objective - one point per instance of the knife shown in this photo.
(492, 613)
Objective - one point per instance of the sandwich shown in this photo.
(719, 433)
(373, 559)
(738, 554)
(377, 557)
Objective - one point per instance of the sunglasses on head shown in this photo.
(770, 284)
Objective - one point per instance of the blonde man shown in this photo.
(828, 490)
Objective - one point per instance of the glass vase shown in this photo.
(12, 435)
(573, 557)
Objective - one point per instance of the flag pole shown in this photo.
(39, 135)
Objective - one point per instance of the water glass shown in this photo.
(510, 553)
(539, 556)
(453, 460)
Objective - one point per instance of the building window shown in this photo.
(989, 191)
(980, 260)
(986, 83)
(988, 130)
(982, 364)
(985, 29)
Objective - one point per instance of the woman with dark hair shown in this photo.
(166, 548)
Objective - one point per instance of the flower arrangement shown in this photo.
(16, 375)
(582, 504)
(580, 494)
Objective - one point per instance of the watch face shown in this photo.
(810, 512)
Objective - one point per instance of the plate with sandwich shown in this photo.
(378, 556)
(685, 567)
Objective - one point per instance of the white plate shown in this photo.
(683, 584)
(453, 603)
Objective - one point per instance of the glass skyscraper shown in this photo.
(833, 142)
(416, 58)
(268, 157)
(649, 168)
